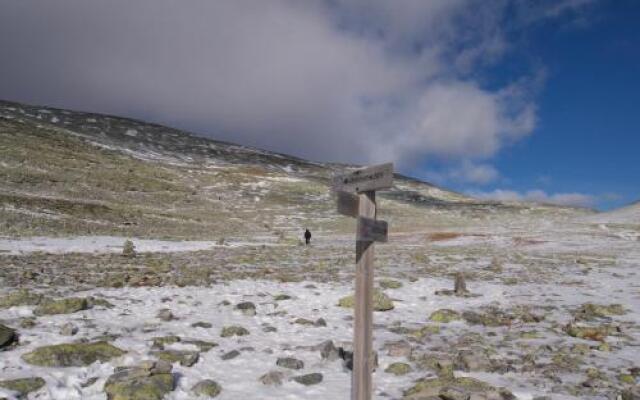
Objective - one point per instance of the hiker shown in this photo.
(307, 236)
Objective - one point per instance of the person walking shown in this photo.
(307, 236)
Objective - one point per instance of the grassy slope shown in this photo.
(64, 172)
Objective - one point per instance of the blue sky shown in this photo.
(587, 136)
(504, 99)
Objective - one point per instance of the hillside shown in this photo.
(65, 172)
(628, 215)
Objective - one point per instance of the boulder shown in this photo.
(72, 354)
(8, 336)
(150, 380)
(62, 306)
(23, 386)
(381, 302)
(206, 388)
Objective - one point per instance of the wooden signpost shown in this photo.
(362, 205)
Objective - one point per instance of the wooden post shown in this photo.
(363, 361)
(362, 205)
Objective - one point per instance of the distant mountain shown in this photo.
(628, 215)
(66, 172)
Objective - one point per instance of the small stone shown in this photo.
(68, 329)
(320, 322)
(184, 357)
(308, 379)
(328, 351)
(23, 386)
(281, 297)
(272, 378)
(8, 336)
(165, 315)
(206, 388)
(247, 308)
(233, 330)
(444, 316)
(289, 362)
(398, 368)
(230, 355)
(62, 306)
(201, 324)
(269, 329)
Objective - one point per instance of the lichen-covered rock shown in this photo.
(400, 348)
(161, 341)
(272, 378)
(202, 345)
(207, 388)
(201, 324)
(247, 308)
(128, 249)
(444, 315)
(8, 336)
(72, 354)
(308, 379)
(62, 306)
(390, 284)
(23, 386)
(381, 302)
(149, 380)
(398, 368)
(590, 311)
(290, 362)
(282, 296)
(491, 318)
(597, 333)
(233, 330)
(184, 357)
(463, 387)
(22, 297)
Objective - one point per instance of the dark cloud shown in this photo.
(357, 80)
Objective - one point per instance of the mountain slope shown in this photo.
(628, 215)
(65, 172)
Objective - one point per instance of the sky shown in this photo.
(501, 99)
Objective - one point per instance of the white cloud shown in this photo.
(465, 172)
(539, 196)
(347, 80)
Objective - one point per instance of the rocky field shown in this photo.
(138, 262)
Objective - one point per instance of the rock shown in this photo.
(230, 355)
(272, 378)
(460, 285)
(23, 386)
(444, 316)
(165, 315)
(289, 362)
(247, 308)
(201, 324)
(150, 380)
(390, 284)
(328, 351)
(492, 318)
(464, 386)
(308, 379)
(206, 388)
(320, 322)
(280, 297)
(89, 382)
(400, 348)
(22, 297)
(128, 249)
(233, 330)
(98, 302)
(184, 357)
(269, 329)
(398, 368)
(68, 329)
(381, 302)
(8, 336)
(62, 306)
(161, 341)
(347, 357)
(28, 323)
(590, 311)
(203, 345)
(303, 321)
(440, 363)
(474, 359)
(597, 333)
(454, 393)
(72, 354)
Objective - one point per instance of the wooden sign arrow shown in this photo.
(348, 204)
(362, 180)
(371, 230)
